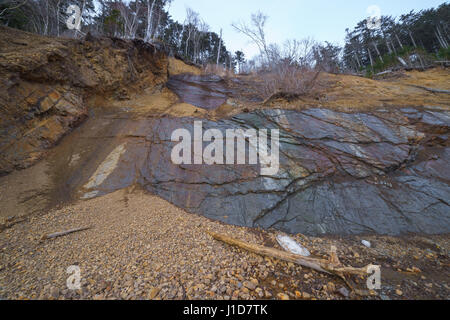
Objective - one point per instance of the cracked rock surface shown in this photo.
(384, 171)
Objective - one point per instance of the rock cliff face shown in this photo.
(360, 156)
(384, 171)
(45, 84)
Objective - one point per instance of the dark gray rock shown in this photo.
(341, 173)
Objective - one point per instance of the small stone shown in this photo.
(416, 270)
(306, 295)
(344, 292)
(366, 243)
(298, 294)
(331, 287)
(250, 285)
(384, 297)
(153, 293)
(283, 296)
(54, 293)
(399, 292)
(244, 296)
(260, 292)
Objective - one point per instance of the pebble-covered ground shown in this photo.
(142, 247)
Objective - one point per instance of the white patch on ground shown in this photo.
(289, 244)
(366, 243)
(106, 168)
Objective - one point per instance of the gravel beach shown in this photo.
(142, 247)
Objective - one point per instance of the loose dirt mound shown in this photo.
(177, 67)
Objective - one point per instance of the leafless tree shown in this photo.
(130, 17)
(148, 30)
(191, 23)
(219, 48)
(13, 5)
(305, 51)
(256, 32)
(203, 28)
(287, 69)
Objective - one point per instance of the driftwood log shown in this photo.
(432, 89)
(332, 266)
(63, 233)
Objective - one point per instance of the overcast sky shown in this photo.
(291, 19)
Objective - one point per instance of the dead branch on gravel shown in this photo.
(63, 233)
(332, 266)
(9, 223)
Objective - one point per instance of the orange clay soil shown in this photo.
(338, 92)
(353, 93)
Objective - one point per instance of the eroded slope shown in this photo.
(45, 83)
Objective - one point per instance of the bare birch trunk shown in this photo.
(378, 51)
(220, 47)
(149, 20)
(388, 46)
(357, 60)
(370, 57)
(441, 39)
(399, 42)
(412, 39)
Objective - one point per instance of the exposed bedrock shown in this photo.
(385, 172)
(208, 92)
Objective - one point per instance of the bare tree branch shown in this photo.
(13, 8)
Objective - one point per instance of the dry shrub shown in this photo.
(287, 79)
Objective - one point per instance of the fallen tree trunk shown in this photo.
(271, 252)
(63, 233)
(432, 89)
(331, 266)
(442, 63)
(383, 73)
